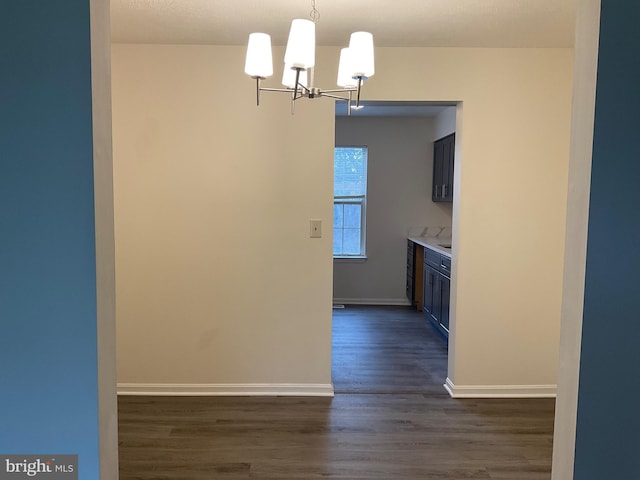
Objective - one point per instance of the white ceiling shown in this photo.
(398, 23)
(394, 109)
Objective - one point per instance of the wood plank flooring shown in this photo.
(390, 419)
(387, 350)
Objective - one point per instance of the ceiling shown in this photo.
(398, 23)
(394, 109)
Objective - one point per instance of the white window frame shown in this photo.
(358, 200)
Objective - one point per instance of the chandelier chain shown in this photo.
(314, 14)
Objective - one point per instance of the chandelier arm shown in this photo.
(359, 88)
(286, 90)
(337, 97)
(295, 96)
(339, 90)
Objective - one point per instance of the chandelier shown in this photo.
(356, 63)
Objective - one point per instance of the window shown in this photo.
(349, 201)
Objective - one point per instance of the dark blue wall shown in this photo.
(608, 429)
(48, 365)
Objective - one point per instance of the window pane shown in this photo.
(350, 171)
(351, 245)
(338, 215)
(350, 180)
(352, 214)
(337, 241)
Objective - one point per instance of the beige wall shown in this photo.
(512, 154)
(217, 280)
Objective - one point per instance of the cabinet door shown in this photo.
(443, 162)
(438, 158)
(436, 311)
(432, 292)
(411, 270)
(446, 151)
(447, 168)
(409, 290)
(445, 295)
(428, 289)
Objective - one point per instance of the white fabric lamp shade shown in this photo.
(345, 70)
(289, 77)
(301, 46)
(361, 51)
(259, 62)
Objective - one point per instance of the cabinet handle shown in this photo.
(444, 190)
(436, 191)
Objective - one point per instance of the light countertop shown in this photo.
(433, 243)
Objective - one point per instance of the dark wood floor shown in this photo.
(390, 419)
(386, 350)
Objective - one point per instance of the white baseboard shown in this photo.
(228, 390)
(372, 301)
(500, 391)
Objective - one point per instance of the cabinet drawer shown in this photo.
(439, 262)
(445, 265)
(432, 258)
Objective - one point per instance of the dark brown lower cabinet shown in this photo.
(430, 294)
(413, 287)
(445, 296)
(437, 289)
(411, 272)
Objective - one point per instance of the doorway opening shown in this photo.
(405, 198)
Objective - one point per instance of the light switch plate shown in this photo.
(315, 228)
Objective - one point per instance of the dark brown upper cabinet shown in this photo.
(443, 156)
